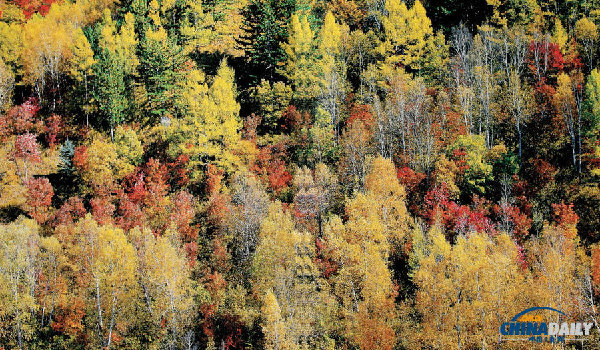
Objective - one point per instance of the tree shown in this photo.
(300, 67)
(322, 138)
(210, 131)
(128, 145)
(11, 183)
(111, 93)
(265, 32)
(213, 27)
(99, 163)
(555, 261)
(18, 259)
(568, 108)
(464, 286)
(410, 40)
(405, 127)
(472, 151)
(273, 99)
(39, 199)
(315, 193)
(82, 64)
(382, 187)
(333, 69)
(7, 82)
(356, 145)
(586, 33)
(165, 280)
(25, 152)
(116, 64)
(109, 265)
(249, 204)
(161, 68)
(286, 278)
(368, 239)
(273, 328)
(47, 49)
(520, 106)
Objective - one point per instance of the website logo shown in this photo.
(534, 325)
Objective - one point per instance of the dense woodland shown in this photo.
(296, 174)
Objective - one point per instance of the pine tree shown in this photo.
(114, 70)
(265, 31)
(161, 68)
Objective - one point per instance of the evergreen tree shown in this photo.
(265, 31)
(161, 68)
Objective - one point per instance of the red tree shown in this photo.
(27, 150)
(39, 198)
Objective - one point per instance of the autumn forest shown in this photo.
(296, 174)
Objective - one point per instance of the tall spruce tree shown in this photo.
(265, 27)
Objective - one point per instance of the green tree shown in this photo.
(116, 65)
(161, 68)
(265, 32)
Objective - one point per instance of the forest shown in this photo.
(297, 174)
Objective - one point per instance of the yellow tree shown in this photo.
(100, 164)
(214, 27)
(363, 282)
(462, 288)
(586, 35)
(7, 82)
(52, 290)
(362, 247)
(10, 33)
(18, 257)
(210, 131)
(332, 68)
(560, 36)
(410, 40)
(301, 66)
(11, 184)
(556, 264)
(82, 63)
(273, 328)
(120, 42)
(295, 298)
(274, 99)
(109, 265)
(388, 195)
(165, 279)
(568, 108)
(47, 43)
(196, 28)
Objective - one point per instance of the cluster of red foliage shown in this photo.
(71, 211)
(21, 119)
(39, 198)
(271, 166)
(31, 7)
(456, 218)
(363, 113)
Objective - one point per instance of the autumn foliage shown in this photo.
(263, 174)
